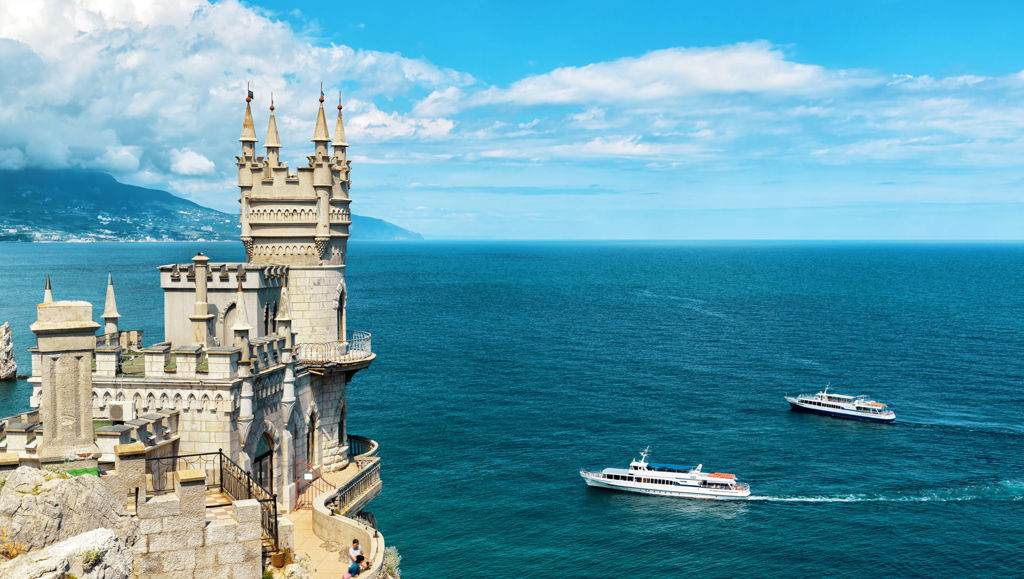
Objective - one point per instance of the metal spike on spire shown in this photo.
(47, 292)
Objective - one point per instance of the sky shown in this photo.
(554, 120)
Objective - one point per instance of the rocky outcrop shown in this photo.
(39, 508)
(97, 554)
(8, 368)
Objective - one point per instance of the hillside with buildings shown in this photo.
(86, 205)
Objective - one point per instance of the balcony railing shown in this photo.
(355, 348)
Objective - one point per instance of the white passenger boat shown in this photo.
(842, 406)
(668, 480)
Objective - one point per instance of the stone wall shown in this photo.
(314, 293)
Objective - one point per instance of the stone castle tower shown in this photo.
(301, 220)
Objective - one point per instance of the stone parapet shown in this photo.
(177, 540)
(342, 530)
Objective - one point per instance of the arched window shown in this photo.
(273, 321)
(263, 464)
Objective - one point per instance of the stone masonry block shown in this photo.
(179, 561)
(229, 554)
(220, 532)
(194, 537)
(245, 511)
(175, 575)
(249, 530)
(166, 541)
(141, 546)
(147, 565)
(161, 506)
(247, 569)
(286, 533)
(149, 526)
(206, 557)
(252, 550)
(187, 522)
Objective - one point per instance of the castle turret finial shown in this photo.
(47, 292)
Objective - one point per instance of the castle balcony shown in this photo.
(353, 352)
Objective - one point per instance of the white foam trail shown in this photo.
(994, 492)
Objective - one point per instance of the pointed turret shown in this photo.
(241, 317)
(47, 292)
(110, 314)
(248, 137)
(320, 135)
(284, 313)
(273, 142)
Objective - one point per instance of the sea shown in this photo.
(505, 367)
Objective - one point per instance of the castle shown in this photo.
(255, 360)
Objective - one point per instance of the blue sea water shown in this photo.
(505, 367)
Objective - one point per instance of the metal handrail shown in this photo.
(357, 347)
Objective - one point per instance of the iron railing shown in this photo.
(222, 474)
(361, 446)
(343, 500)
(357, 347)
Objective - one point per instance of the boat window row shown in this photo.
(639, 479)
(824, 404)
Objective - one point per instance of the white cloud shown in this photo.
(12, 158)
(152, 88)
(370, 123)
(663, 75)
(188, 162)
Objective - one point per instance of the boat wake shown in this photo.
(1001, 491)
(691, 304)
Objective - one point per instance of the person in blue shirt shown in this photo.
(355, 568)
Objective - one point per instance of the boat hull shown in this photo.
(664, 490)
(834, 414)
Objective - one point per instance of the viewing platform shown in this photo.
(353, 353)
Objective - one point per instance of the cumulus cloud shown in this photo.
(188, 162)
(146, 89)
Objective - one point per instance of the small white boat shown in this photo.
(842, 406)
(668, 480)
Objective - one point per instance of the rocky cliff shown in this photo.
(8, 368)
(69, 525)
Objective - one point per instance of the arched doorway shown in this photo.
(263, 464)
(311, 440)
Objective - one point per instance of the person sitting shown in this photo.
(355, 568)
(355, 551)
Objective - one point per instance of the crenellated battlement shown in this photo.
(301, 217)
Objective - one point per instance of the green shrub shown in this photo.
(91, 558)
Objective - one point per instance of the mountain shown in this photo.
(86, 205)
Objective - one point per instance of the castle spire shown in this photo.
(241, 318)
(320, 132)
(284, 313)
(110, 314)
(248, 137)
(273, 142)
(47, 293)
